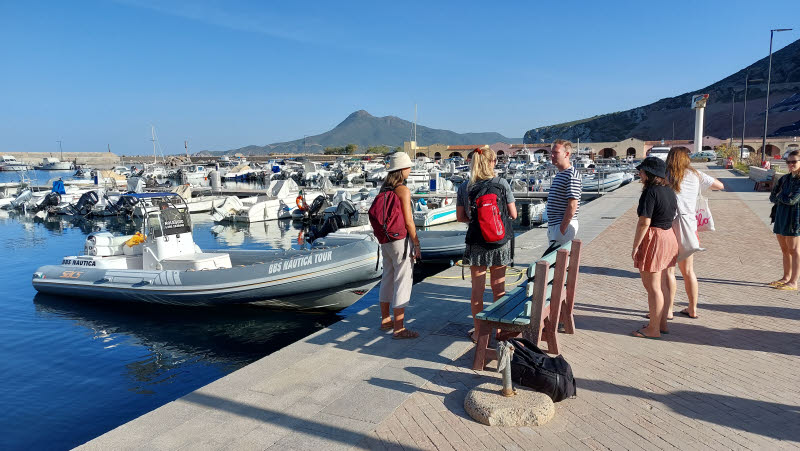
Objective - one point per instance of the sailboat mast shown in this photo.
(153, 138)
(415, 123)
(186, 146)
(60, 150)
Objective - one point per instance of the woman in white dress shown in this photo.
(687, 183)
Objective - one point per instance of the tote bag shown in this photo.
(705, 222)
(688, 243)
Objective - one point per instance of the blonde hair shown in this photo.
(562, 142)
(678, 162)
(481, 164)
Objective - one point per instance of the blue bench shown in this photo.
(535, 308)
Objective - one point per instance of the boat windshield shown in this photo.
(168, 220)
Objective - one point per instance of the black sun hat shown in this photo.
(654, 166)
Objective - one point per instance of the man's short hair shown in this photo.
(562, 142)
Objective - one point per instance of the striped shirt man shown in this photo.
(565, 185)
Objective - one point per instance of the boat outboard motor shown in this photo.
(21, 198)
(320, 203)
(346, 214)
(330, 225)
(52, 199)
(85, 204)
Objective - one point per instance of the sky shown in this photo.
(227, 74)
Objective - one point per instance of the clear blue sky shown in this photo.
(225, 74)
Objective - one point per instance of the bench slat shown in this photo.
(549, 258)
(522, 316)
(503, 307)
(507, 301)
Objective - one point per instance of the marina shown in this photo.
(411, 394)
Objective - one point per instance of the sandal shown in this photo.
(472, 337)
(389, 326)
(639, 334)
(685, 312)
(785, 287)
(776, 283)
(404, 335)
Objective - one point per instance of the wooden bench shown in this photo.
(534, 308)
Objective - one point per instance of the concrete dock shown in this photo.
(726, 380)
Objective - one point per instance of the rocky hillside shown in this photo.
(366, 130)
(655, 121)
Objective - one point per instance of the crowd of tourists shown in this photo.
(666, 233)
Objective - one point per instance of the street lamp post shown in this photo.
(744, 109)
(769, 77)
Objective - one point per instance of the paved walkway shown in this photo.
(727, 380)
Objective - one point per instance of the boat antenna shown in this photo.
(186, 146)
(60, 149)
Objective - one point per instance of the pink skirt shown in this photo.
(658, 251)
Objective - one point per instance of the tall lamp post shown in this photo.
(744, 108)
(769, 77)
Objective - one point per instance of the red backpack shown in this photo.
(386, 217)
(489, 223)
(387, 220)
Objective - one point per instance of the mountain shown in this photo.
(366, 130)
(657, 120)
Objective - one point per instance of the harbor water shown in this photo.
(76, 368)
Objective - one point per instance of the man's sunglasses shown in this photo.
(791, 161)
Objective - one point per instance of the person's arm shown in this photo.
(404, 194)
(461, 214)
(716, 186)
(641, 229)
(572, 207)
(512, 210)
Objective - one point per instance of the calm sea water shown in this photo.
(72, 369)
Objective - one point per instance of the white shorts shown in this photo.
(556, 237)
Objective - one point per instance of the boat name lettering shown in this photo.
(71, 275)
(171, 224)
(305, 260)
(71, 262)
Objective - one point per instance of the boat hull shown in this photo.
(320, 278)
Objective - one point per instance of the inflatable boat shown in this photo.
(162, 264)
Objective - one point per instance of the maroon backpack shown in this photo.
(386, 218)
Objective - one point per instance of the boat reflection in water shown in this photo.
(231, 336)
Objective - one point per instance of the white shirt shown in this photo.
(691, 186)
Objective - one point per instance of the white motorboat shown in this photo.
(278, 204)
(602, 181)
(10, 163)
(54, 164)
(434, 211)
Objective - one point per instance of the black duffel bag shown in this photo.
(533, 368)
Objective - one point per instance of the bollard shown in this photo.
(505, 351)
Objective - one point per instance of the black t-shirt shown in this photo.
(659, 204)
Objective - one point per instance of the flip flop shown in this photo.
(776, 283)
(472, 337)
(785, 288)
(404, 334)
(684, 312)
(639, 334)
(662, 332)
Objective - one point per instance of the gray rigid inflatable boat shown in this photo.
(168, 268)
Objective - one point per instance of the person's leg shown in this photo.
(690, 283)
(497, 279)
(668, 288)
(478, 285)
(787, 259)
(655, 302)
(403, 282)
(793, 245)
(386, 293)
